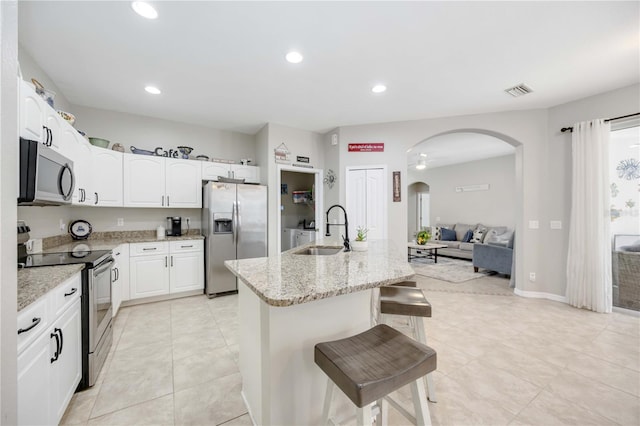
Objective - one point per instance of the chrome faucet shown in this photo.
(347, 246)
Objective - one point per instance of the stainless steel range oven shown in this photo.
(97, 333)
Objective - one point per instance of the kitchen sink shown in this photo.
(320, 250)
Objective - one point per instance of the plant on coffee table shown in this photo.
(423, 236)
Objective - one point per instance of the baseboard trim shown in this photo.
(540, 295)
(246, 404)
(624, 311)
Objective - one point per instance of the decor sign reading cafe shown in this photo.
(366, 147)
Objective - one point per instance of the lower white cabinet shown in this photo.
(50, 365)
(160, 268)
(120, 282)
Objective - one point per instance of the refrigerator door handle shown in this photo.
(233, 223)
(238, 221)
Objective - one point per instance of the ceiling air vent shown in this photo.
(519, 90)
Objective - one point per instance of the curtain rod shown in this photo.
(570, 129)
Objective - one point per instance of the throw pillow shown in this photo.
(477, 236)
(436, 233)
(448, 234)
(467, 237)
(499, 236)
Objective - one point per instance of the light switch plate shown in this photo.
(534, 224)
(555, 224)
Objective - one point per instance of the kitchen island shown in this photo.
(290, 302)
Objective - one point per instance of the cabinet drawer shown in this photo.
(148, 249)
(186, 246)
(65, 294)
(32, 321)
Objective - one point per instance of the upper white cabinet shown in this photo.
(82, 158)
(151, 181)
(211, 171)
(107, 176)
(32, 114)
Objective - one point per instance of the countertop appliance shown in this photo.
(174, 226)
(97, 333)
(46, 177)
(234, 222)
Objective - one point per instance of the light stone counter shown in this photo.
(289, 279)
(286, 305)
(34, 283)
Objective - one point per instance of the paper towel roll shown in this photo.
(160, 233)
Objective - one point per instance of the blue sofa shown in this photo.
(492, 257)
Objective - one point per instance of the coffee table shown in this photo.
(427, 251)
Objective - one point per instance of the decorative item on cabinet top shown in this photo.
(118, 147)
(45, 94)
(99, 142)
(141, 151)
(68, 117)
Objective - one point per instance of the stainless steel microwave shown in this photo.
(46, 176)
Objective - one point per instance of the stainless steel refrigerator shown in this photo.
(234, 221)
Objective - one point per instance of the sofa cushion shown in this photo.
(448, 234)
(467, 237)
(499, 236)
(450, 244)
(445, 225)
(466, 246)
(461, 229)
(478, 235)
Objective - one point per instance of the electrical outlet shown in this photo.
(532, 276)
(120, 221)
(555, 224)
(63, 226)
(534, 224)
(34, 246)
(438, 219)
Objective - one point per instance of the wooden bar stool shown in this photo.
(407, 300)
(370, 365)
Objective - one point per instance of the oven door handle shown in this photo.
(103, 268)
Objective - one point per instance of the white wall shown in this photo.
(30, 69)
(8, 196)
(149, 133)
(493, 207)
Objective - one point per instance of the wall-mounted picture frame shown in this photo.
(396, 187)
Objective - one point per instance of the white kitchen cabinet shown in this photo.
(211, 171)
(120, 280)
(32, 108)
(183, 183)
(49, 354)
(107, 177)
(186, 266)
(54, 123)
(77, 149)
(66, 370)
(151, 181)
(160, 268)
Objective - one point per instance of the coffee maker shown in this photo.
(174, 226)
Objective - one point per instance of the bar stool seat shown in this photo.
(372, 364)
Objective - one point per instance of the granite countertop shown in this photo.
(111, 243)
(34, 283)
(290, 279)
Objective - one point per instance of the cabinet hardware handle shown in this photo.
(165, 261)
(56, 355)
(61, 340)
(50, 136)
(190, 245)
(172, 261)
(96, 198)
(117, 273)
(34, 322)
(168, 201)
(45, 142)
(149, 248)
(73, 291)
(163, 201)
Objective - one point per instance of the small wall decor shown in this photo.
(282, 154)
(330, 178)
(366, 147)
(396, 187)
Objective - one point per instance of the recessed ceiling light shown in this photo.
(421, 165)
(635, 145)
(294, 57)
(422, 154)
(378, 88)
(153, 90)
(144, 9)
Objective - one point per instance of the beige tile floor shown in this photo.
(502, 360)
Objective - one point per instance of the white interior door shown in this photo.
(423, 210)
(366, 201)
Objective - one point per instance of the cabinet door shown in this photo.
(54, 123)
(31, 113)
(183, 183)
(121, 254)
(149, 276)
(107, 176)
(66, 371)
(116, 286)
(144, 181)
(34, 383)
(83, 169)
(211, 171)
(187, 271)
(250, 174)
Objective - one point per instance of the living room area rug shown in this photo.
(448, 269)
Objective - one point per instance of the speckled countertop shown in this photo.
(34, 283)
(290, 279)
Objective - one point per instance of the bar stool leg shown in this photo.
(328, 397)
(423, 417)
(382, 419)
(364, 416)
(421, 337)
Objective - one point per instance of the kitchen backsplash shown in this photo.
(111, 235)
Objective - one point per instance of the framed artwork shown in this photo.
(396, 187)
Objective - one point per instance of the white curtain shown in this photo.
(589, 258)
